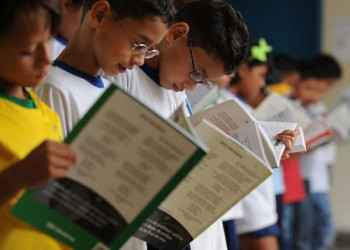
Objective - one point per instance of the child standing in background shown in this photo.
(257, 229)
(191, 54)
(71, 11)
(30, 152)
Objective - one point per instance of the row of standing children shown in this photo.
(114, 37)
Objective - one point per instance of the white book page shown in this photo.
(318, 132)
(223, 177)
(287, 116)
(249, 136)
(276, 103)
(339, 120)
(228, 116)
(126, 155)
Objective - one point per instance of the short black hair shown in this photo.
(285, 63)
(179, 4)
(326, 66)
(218, 29)
(251, 63)
(306, 70)
(10, 9)
(140, 9)
(77, 3)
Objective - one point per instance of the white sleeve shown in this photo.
(59, 101)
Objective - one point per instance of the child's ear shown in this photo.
(243, 69)
(99, 11)
(176, 31)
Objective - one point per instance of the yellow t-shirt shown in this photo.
(282, 88)
(24, 124)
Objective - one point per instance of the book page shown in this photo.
(339, 120)
(275, 103)
(129, 160)
(227, 174)
(318, 132)
(228, 116)
(287, 116)
(249, 136)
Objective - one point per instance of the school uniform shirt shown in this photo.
(58, 45)
(71, 93)
(259, 205)
(24, 125)
(143, 83)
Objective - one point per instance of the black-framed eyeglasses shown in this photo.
(138, 48)
(195, 75)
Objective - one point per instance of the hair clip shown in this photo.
(259, 52)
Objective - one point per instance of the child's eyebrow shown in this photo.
(145, 38)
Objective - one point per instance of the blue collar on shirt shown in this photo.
(61, 41)
(151, 73)
(96, 81)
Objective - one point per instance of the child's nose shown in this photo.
(138, 60)
(190, 85)
(44, 54)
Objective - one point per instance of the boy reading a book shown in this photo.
(30, 152)
(208, 40)
(114, 36)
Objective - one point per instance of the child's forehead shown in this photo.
(26, 27)
(31, 21)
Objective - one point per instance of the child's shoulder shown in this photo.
(43, 107)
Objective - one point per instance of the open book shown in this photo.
(315, 132)
(130, 159)
(338, 119)
(221, 179)
(287, 116)
(230, 116)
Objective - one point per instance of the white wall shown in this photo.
(340, 196)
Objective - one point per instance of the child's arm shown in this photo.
(50, 160)
(288, 137)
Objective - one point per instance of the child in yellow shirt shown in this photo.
(30, 152)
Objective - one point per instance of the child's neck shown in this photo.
(80, 47)
(153, 63)
(13, 90)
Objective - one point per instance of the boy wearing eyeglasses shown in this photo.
(208, 40)
(114, 36)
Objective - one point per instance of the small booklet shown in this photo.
(338, 120)
(221, 179)
(318, 132)
(130, 159)
(231, 115)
